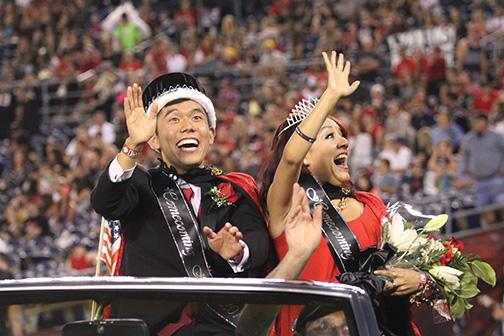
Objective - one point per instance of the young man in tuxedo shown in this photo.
(181, 218)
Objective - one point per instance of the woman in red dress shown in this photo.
(312, 142)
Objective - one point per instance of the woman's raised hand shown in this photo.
(337, 81)
(140, 126)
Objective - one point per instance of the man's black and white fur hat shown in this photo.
(177, 85)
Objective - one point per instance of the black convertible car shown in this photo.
(330, 309)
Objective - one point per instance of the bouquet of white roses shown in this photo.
(451, 275)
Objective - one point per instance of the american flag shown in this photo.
(111, 244)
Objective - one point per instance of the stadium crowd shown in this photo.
(65, 66)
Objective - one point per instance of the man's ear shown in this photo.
(212, 136)
(154, 143)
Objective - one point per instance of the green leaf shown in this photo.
(457, 308)
(468, 291)
(436, 223)
(483, 271)
(468, 278)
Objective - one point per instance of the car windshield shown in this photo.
(52, 306)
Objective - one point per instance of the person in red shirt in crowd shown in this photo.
(157, 56)
(89, 59)
(186, 16)
(436, 72)
(486, 100)
(373, 126)
(65, 68)
(80, 261)
(421, 64)
(130, 63)
(405, 65)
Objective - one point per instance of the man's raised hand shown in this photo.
(141, 127)
(302, 231)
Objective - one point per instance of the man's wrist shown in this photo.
(133, 144)
(237, 258)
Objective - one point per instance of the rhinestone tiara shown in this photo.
(300, 112)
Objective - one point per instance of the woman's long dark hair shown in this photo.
(277, 148)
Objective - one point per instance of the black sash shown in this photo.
(341, 241)
(184, 229)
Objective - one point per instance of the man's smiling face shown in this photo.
(183, 135)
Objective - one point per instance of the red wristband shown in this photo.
(130, 152)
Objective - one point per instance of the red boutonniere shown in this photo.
(223, 195)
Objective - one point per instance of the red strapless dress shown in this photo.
(321, 266)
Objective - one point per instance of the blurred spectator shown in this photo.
(486, 100)
(311, 88)
(364, 183)
(385, 179)
(126, 26)
(398, 121)
(398, 155)
(228, 98)
(446, 130)
(378, 97)
(361, 148)
(442, 167)
(436, 72)
(102, 129)
(412, 183)
(80, 261)
(373, 127)
(89, 58)
(205, 59)
(406, 67)
(129, 63)
(368, 63)
(272, 56)
(472, 56)
(186, 16)
(495, 24)
(482, 153)
(175, 61)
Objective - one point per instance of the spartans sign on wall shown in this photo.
(425, 40)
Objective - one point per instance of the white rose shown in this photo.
(448, 274)
(405, 241)
(397, 228)
(420, 242)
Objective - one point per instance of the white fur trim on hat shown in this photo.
(178, 92)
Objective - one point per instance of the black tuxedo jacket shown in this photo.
(149, 250)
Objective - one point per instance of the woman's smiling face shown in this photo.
(327, 159)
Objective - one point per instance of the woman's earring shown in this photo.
(305, 163)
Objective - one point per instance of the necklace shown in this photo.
(343, 202)
(335, 193)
